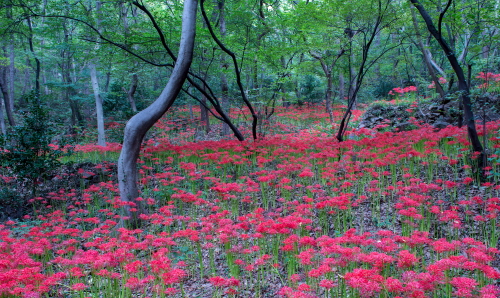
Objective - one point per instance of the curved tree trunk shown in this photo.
(138, 125)
(462, 82)
(238, 76)
(427, 59)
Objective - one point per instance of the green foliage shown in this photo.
(116, 105)
(311, 89)
(27, 149)
(383, 87)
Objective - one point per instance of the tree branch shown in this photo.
(157, 28)
(236, 68)
(441, 16)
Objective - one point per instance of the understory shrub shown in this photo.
(27, 151)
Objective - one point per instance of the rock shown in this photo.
(440, 124)
(404, 126)
(434, 113)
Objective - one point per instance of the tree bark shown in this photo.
(353, 89)
(204, 117)
(328, 71)
(329, 96)
(126, 33)
(4, 86)
(427, 60)
(238, 81)
(139, 124)
(131, 92)
(2, 119)
(101, 138)
(76, 116)
(341, 87)
(26, 84)
(355, 84)
(37, 61)
(462, 83)
(66, 66)
(223, 65)
(12, 71)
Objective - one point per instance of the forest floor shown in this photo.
(295, 214)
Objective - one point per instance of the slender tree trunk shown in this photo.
(126, 33)
(204, 117)
(66, 67)
(329, 96)
(11, 75)
(377, 66)
(341, 87)
(139, 124)
(224, 103)
(328, 71)
(101, 139)
(237, 73)
(12, 72)
(223, 79)
(76, 116)
(285, 100)
(462, 83)
(357, 79)
(37, 61)
(26, 83)
(6, 96)
(106, 83)
(131, 92)
(42, 43)
(427, 60)
(298, 95)
(353, 87)
(2, 119)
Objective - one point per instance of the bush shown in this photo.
(27, 149)
(311, 89)
(384, 86)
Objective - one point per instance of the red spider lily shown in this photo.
(79, 287)
(441, 81)
(327, 284)
(406, 259)
(490, 291)
(291, 293)
(401, 91)
(442, 245)
(464, 286)
(367, 281)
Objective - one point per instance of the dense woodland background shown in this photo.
(77, 54)
(290, 149)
